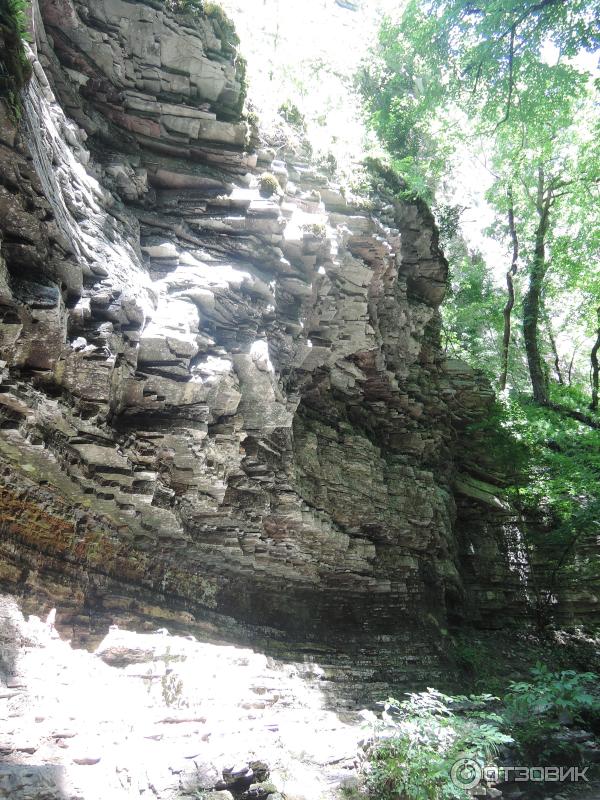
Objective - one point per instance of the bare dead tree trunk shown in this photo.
(532, 299)
(595, 370)
(510, 289)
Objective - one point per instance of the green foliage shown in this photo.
(472, 315)
(268, 184)
(430, 732)
(193, 7)
(447, 217)
(386, 177)
(392, 84)
(224, 27)
(536, 710)
(510, 453)
(318, 230)
(14, 12)
(327, 163)
(499, 81)
(241, 70)
(553, 694)
(478, 664)
(489, 60)
(564, 463)
(292, 115)
(15, 69)
(420, 739)
(560, 497)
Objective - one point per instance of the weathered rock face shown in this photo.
(221, 409)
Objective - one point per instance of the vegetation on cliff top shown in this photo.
(223, 25)
(15, 69)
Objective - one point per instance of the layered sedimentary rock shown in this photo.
(221, 409)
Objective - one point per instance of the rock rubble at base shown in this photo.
(176, 718)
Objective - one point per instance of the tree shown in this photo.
(595, 369)
(574, 282)
(499, 73)
(472, 319)
(510, 290)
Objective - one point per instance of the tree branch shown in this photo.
(511, 60)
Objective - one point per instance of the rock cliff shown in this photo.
(225, 409)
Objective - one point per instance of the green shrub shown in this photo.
(476, 659)
(538, 709)
(327, 163)
(224, 27)
(418, 742)
(554, 693)
(537, 741)
(430, 732)
(241, 69)
(268, 184)
(397, 178)
(292, 115)
(186, 6)
(15, 69)
(560, 498)
(316, 229)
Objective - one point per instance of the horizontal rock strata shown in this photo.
(220, 409)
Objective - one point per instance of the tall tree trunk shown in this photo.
(532, 299)
(510, 289)
(595, 370)
(550, 333)
(570, 370)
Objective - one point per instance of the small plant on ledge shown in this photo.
(269, 185)
(224, 27)
(316, 229)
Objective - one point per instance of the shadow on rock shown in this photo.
(25, 781)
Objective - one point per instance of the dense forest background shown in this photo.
(513, 87)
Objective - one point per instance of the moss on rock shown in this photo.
(15, 69)
(268, 184)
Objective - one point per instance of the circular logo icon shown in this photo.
(466, 773)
